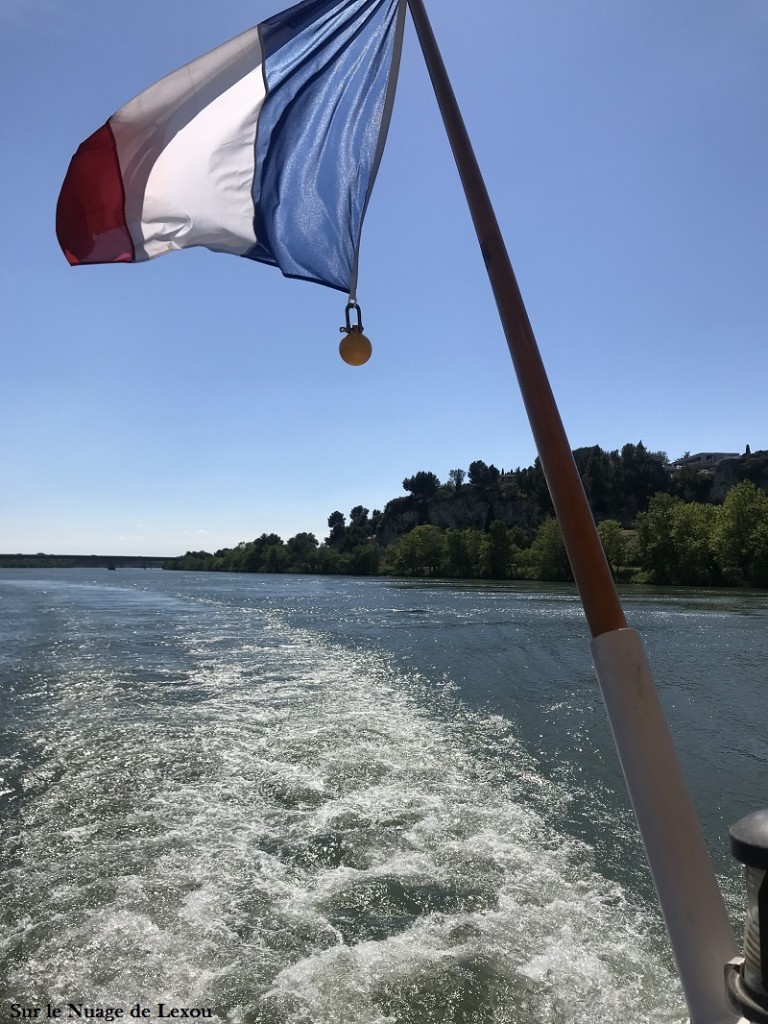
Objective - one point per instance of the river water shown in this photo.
(313, 800)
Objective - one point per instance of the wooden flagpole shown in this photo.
(691, 902)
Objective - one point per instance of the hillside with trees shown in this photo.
(659, 523)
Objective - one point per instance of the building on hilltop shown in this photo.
(702, 460)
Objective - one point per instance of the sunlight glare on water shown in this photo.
(234, 811)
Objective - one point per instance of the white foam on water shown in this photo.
(290, 834)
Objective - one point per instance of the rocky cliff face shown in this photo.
(732, 471)
(466, 509)
(724, 477)
(525, 504)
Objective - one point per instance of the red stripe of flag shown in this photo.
(90, 215)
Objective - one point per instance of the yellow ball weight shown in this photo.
(354, 348)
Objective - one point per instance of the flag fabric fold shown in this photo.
(266, 147)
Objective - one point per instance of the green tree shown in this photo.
(302, 552)
(338, 535)
(675, 541)
(641, 474)
(457, 478)
(482, 476)
(693, 484)
(597, 469)
(692, 532)
(275, 558)
(547, 555)
(654, 538)
(498, 551)
(614, 543)
(249, 557)
(196, 561)
(533, 490)
(741, 535)
(329, 561)
(464, 553)
(421, 552)
(421, 484)
(754, 466)
(364, 560)
(692, 536)
(359, 529)
(376, 517)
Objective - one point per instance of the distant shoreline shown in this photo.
(45, 561)
(625, 586)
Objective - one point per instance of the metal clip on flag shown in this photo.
(267, 147)
(355, 348)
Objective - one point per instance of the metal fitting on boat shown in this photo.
(746, 978)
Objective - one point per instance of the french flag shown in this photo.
(266, 147)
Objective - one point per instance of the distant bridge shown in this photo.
(44, 561)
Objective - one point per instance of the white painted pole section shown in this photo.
(691, 902)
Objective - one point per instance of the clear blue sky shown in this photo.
(199, 400)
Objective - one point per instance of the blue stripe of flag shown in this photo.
(327, 66)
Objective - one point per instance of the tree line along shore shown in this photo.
(659, 523)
